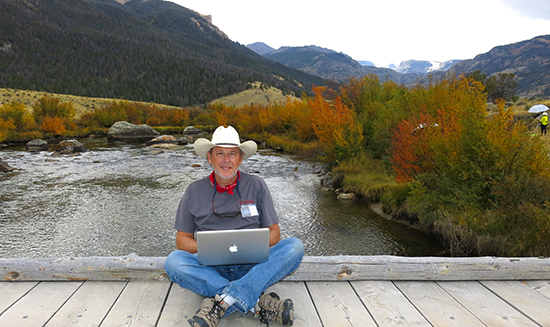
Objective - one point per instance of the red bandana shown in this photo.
(228, 188)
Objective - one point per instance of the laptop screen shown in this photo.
(231, 247)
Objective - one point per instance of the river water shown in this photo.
(114, 200)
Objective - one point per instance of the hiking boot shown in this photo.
(210, 313)
(271, 308)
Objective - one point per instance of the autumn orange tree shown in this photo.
(335, 127)
(54, 125)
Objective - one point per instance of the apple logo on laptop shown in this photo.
(233, 248)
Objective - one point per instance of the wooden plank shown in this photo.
(541, 286)
(436, 305)
(11, 292)
(485, 305)
(305, 314)
(336, 268)
(139, 304)
(89, 305)
(180, 306)
(338, 305)
(387, 305)
(528, 301)
(39, 305)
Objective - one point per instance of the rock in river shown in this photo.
(70, 146)
(346, 196)
(163, 139)
(5, 167)
(126, 132)
(37, 145)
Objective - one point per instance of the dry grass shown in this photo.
(82, 105)
(254, 95)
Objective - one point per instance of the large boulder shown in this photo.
(70, 146)
(37, 145)
(130, 133)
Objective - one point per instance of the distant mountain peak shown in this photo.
(326, 63)
(366, 63)
(423, 67)
(307, 48)
(260, 48)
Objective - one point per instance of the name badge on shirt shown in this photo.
(248, 210)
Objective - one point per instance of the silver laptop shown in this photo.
(232, 247)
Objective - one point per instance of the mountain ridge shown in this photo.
(329, 64)
(143, 50)
(529, 60)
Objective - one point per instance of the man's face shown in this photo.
(225, 162)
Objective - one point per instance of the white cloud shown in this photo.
(537, 9)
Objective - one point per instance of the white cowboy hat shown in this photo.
(226, 137)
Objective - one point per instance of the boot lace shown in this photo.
(215, 314)
(266, 315)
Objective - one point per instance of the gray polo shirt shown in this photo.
(195, 208)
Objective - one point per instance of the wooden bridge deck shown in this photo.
(435, 296)
(356, 303)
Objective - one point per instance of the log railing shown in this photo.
(312, 268)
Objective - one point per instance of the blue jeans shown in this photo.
(245, 283)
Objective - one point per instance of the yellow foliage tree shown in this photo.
(180, 117)
(52, 107)
(5, 127)
(21, 118)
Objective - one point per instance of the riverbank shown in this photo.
(463, 231)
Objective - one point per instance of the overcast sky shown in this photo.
(381, 31)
